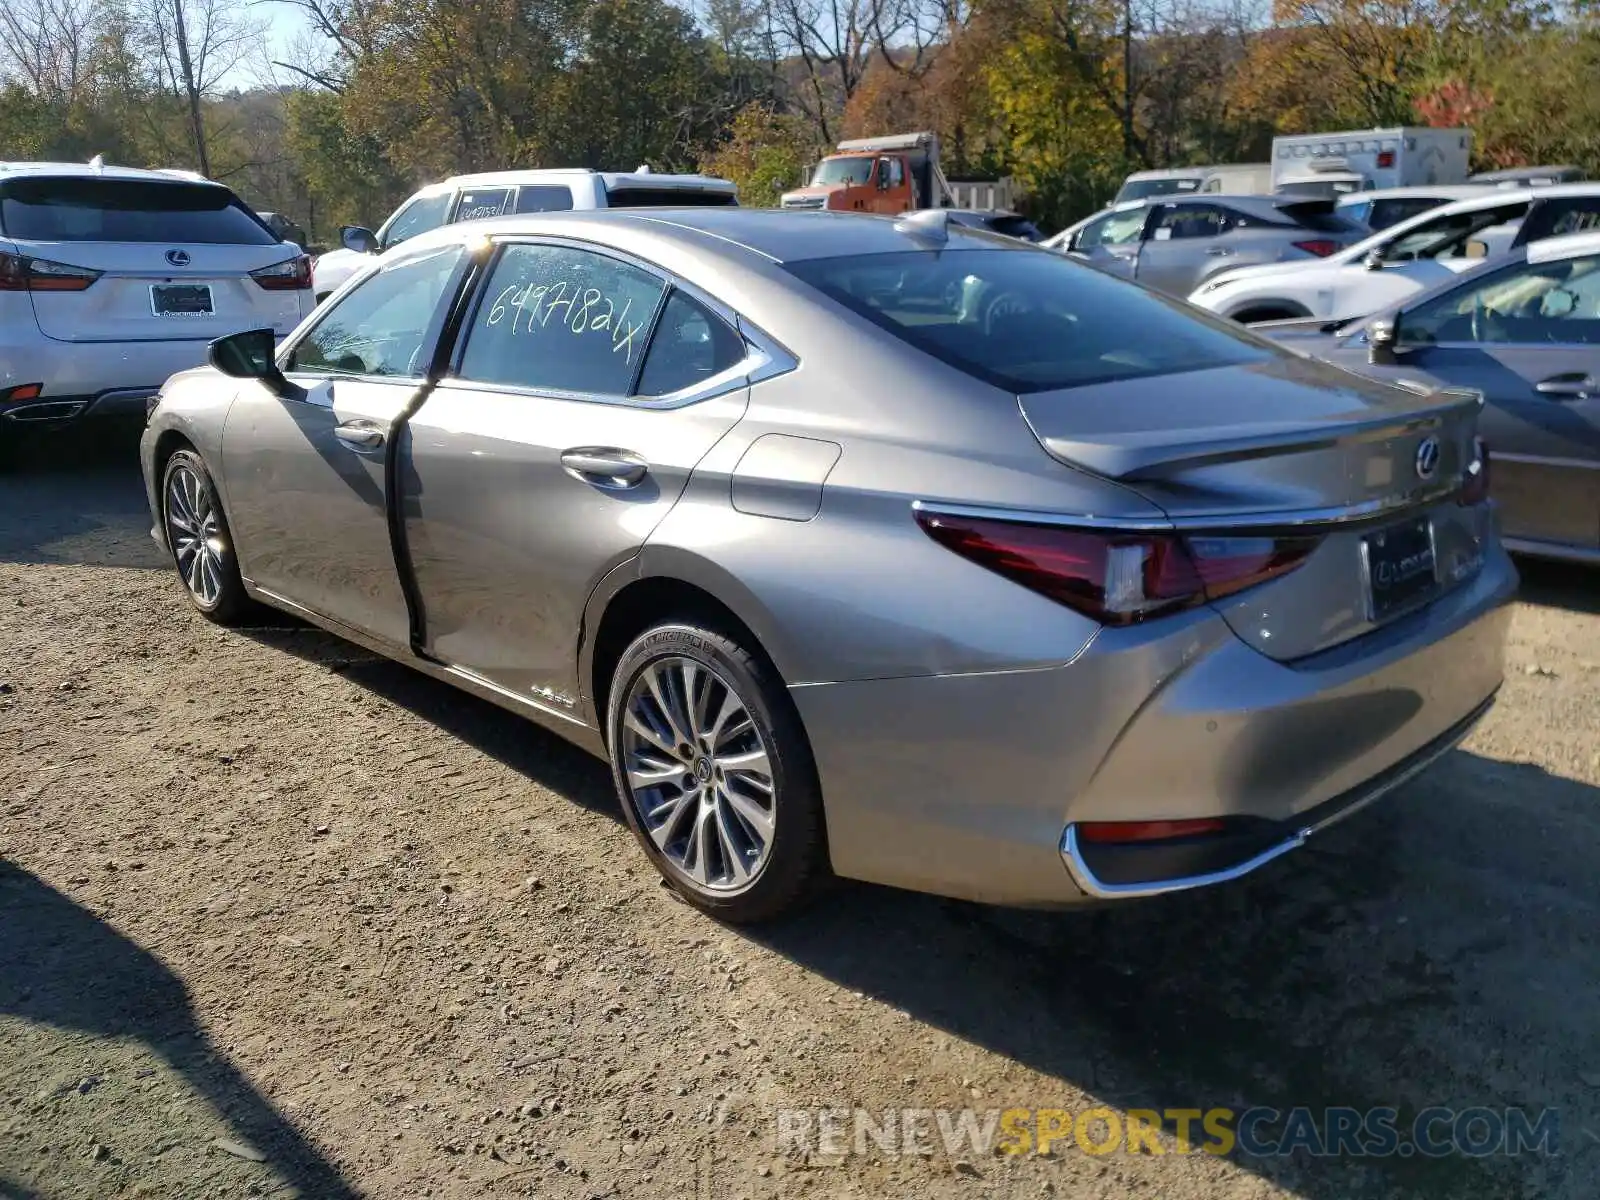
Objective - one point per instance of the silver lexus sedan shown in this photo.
(877, 547)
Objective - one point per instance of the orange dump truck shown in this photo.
(877, 175)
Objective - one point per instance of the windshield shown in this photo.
(119, 210)
(1138, 189)
(842, 170)
(1028, 321)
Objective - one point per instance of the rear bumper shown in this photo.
(82, 380)
(969, 785)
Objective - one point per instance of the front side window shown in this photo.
(421, 215)
(84, 209)
(556, 318)
(381, 326)
(896, 170)
(1118, 229)
(476, 204)
(1027, 321)
(1553, 303)
(1552, 218)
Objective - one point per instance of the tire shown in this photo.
(737, 843)
(201, 546)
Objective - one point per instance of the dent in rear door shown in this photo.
(530, 475)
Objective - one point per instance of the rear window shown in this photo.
(1138, 189)
(644, 197)
(543, 198)
(1028, 321)
(119, 210)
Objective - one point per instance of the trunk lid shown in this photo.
(121, 305)
(1286, 444)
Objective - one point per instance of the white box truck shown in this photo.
(1330, 164)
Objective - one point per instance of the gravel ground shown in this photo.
(281, 918)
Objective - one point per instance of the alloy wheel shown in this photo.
(698, 774)
(194, 531)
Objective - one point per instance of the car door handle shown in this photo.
(605, 467)
(359, 437)
(1219, 251)
(1567, 387)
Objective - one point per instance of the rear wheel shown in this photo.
(197, 533)
(714, 773)
(1252, 316)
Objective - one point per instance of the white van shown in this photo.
(1234, 179)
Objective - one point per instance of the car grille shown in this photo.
(804, 202)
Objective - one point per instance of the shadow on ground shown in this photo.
(76, 499)
(64, 968)
(1282, 990)
(1549, 584)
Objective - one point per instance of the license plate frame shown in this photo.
(1400, 565)
(184, 301)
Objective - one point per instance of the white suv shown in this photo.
(496, 193)
(1401, 260)
(112, 279)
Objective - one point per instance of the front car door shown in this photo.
(1111, 242)
(305, 477)
(586, 389)
(1528, 337)
(1185, 244)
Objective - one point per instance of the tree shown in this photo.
(764, 154)
(193, 44)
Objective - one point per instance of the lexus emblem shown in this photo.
(1427, 458)
(178, 258)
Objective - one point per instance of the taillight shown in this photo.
(291, 275)
(1386, 158)
(1321, 247)
(19, 273)
(1116, 578)
(1475, 480)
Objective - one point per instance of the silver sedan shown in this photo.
(876, 547)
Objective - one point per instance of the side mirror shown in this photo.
(1382, 336)
(1373, 261)
(359, 239)
(250, 355)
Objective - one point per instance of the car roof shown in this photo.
(1566, 245)
(1170, 173)
(612, 179)
(776, 235)
(61, 170)
(1451, 191)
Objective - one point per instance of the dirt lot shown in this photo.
(266, 897)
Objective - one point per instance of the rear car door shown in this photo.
(306, 477)
(1528, 337)
(1185, 243)
(586, 389)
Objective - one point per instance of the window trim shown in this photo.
(431, 338)
(765, 357)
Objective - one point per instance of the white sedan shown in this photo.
(1403, 259)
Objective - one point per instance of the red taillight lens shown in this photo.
(289, 276)
(1104, 832)
(1475, 480)
(23, 391)
(1321, 247)
(19, 273)
(1116, 578)
(1386, 158)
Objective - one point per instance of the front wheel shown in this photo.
(714, 773)
(197, 534)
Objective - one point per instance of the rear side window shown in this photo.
(644, 197)
(1025, 320)
(1551, 218)
(121, 210)
(544, 199)
(554, 318)
(691, 344)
